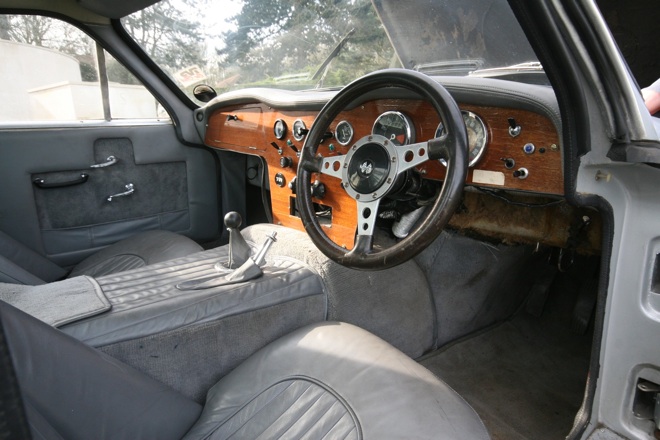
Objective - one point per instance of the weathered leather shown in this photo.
(334, 372)
(143, 249)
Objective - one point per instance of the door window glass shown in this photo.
(50, 72)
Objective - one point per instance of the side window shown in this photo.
(52, 71)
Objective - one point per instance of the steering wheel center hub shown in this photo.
(368, 168)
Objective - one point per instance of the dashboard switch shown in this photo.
(280, 180)
(292, 184)
(318, 190)
(286, 162)
(521, 173)
(514, 128)
(509, 163)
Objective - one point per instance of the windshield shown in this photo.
(307, 44)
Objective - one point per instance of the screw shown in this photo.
(357, 196)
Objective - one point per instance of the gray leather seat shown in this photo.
(329, 380)
(21, 265)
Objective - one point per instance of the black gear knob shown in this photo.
(233, 220)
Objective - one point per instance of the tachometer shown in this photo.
(477, 136)
(395, 126)
(344, 132)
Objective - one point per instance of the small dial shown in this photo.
(279, 129)
(344, 132)
(477, 137)
(395, 126)
(299, 130)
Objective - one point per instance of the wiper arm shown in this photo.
(450, 67)
(530, 66)
(322, 70)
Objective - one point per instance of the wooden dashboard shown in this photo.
(249, 129)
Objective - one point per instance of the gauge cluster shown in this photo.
(396, 126)
(508, 148)
(477, 137)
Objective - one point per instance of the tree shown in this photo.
(171, 40)
(28, 29)
(54, 34)
(274, 38)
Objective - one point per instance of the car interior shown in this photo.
(408, 254)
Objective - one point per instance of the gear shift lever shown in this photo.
(239, 251)
(246, 272)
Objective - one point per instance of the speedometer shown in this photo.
(396, 127)
(477, 136)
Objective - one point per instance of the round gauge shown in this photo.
(477, 137)
(279, 129)
(344, 132)
(299, 130)
(395, 126)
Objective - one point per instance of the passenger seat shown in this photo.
(21, 265)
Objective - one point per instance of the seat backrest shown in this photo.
(73, 391)
(20, 264)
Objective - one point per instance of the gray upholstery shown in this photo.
(143, 249)
(290, 409)
(400, 310)
(82, 393)
(304, 383)
(146, 302)
(22, 265)
(58, 303)
(330, 379)
(11, 272)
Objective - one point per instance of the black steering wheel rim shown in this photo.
(452, 147)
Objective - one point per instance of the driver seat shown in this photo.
(330, 380)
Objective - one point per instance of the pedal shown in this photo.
(538, 294)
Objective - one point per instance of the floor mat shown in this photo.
(526, 376)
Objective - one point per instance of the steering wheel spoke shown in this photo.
(410, 156)
(333, 166)
(366, 216)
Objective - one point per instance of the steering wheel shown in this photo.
(370, 169)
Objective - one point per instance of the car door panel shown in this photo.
(174, 187)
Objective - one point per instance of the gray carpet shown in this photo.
(526, 376)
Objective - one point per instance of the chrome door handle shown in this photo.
(110, 160)
(130, 189)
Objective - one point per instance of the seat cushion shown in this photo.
(138, 251)
(334, 380)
